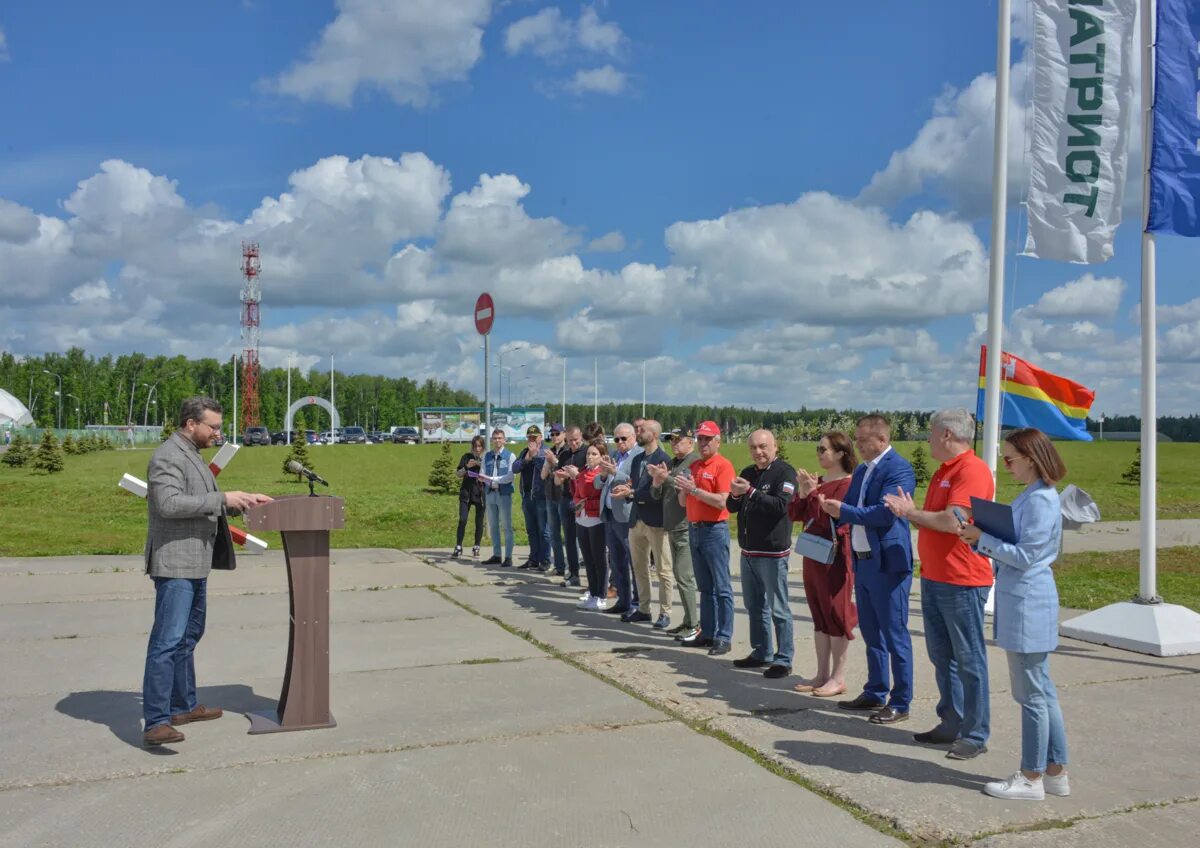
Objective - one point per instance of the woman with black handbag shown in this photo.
(470, 494)
(828, 579)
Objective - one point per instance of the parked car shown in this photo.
(405, 436)
(281, 438)
(353, 436)
(256, 436)
(376, 437)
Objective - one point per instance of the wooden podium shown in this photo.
(305, 522)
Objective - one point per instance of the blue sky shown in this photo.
(703, 185)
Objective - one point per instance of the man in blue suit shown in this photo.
(883, 566)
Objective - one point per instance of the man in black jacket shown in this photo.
(571, 455)
(760, 496)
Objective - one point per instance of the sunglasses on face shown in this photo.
(821, 449)
(622, 438)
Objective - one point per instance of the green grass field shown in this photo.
(81, 510)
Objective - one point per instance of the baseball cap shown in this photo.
(681, 433)
(533, 430)
(708, 428)
(555, 429)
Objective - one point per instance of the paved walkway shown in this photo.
(477, 706)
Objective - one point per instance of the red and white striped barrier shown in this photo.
(252, 544)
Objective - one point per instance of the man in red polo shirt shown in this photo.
(704, 492)
(954, 585)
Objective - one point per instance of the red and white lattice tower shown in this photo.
(251, 296)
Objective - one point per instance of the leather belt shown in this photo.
(709, 523)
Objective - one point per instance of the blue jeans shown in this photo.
(954, 639)
(169, 683)
(710, 562)
(535, 527)
(570, 533)
(1043, 735)
(616, 539)
(552, 521)
(499, 512)
(765, 594)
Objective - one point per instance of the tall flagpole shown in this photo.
(563, 421)
(995, 323)
(595, 389)
(1147, 588)
(1145, 623)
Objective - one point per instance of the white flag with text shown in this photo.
(1083, 100)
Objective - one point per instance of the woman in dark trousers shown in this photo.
(590, 529)
(470, 494)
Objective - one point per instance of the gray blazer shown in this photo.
(621, 507)
(188, 533)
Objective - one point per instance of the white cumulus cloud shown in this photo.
(1087, 297)
(548, 34)
(602, 80)
(822, 259)
(400, 47)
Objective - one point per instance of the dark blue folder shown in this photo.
(995, 519)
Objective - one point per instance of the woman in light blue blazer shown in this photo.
(1026, 616)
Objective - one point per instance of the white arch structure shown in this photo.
(312, 400)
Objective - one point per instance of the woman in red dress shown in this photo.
(829, 589)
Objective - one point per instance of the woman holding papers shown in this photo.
(470, 494)
(1026, 617)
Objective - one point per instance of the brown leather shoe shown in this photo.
(161, 734)
(201, 713)
(888, 715)
(612, 592)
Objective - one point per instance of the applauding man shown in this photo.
(882, 547)
(705, 493)
(760, 496)
(955, 581)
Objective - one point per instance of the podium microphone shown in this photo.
(297, 468)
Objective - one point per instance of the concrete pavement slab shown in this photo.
(229, 654)
(885, 770)
(108, 585)
(549, 790)
(95, 735)
(77, 619)
(272, 558)
(1177, 824)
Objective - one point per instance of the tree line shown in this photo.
(148, 390)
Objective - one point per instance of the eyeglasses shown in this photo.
(821, 449)
(705, 438)
(1009, 460)
(622, 438)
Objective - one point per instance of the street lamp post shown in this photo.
(58, 394)
(77, 401)
(149, 395)
(500, 357)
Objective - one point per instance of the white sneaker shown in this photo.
(584, 602)
(1016, 788)
(585, 596)
(1056, 784)
(601, 604)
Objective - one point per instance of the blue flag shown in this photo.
(1175, 149)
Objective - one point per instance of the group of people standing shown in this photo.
(638, 514)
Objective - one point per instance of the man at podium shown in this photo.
(188, 535)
